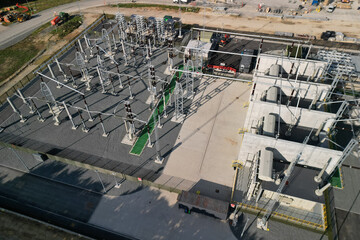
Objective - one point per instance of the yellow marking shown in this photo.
(237, 164)
(242, 130)
(325, 216)
(341, 179)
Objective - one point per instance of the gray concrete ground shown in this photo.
(15, 226)
(146, 214)
(42, 194)
(347, 199)
(347, 224)
(347, 203)
(154, 214)
(208, 141)
(67, 174)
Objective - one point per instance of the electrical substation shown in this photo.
(253, 121)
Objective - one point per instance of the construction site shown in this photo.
(233, 123)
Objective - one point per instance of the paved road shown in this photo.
(18, 31)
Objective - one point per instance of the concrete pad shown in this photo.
(127, 141)
(208, 140)
(347, 199)
(225, 140)
(183, 184)
(154, 214)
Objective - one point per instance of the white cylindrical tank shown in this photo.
(272, 94)
(269, 125)
(266, 165)
(274, 70)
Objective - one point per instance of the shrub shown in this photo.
(67, 27)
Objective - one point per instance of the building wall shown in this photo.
(308, 118)
(307, 68)
(312, 156)
(295, 202)
(307, 90)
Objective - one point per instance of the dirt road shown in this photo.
(258, 24)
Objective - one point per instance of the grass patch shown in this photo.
(162, 7)
(335, 179)
(140, 143)
(351, 93)
(67, 27)
(14, 57)
(109, 16)
(40, 29)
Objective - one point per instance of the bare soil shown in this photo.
(260, 24)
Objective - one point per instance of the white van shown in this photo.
(182, 1)
(330, 8)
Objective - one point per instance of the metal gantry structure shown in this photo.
(141, 36)
(179, 101)
(132, 40)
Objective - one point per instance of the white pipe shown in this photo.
(60, 83)
(319, 192)
(317, 178)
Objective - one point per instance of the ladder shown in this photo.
(253, 176)
(347, 151)
(339, 113)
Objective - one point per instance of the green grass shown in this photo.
(162, 7)
(69, 26)
(335, 179)
(140, 143)
(41, 5)
(14, 57)
(351, 93)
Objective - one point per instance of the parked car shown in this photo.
(328, 34)
(330, 8)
